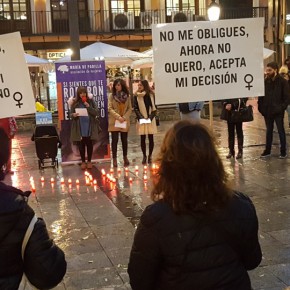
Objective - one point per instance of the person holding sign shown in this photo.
(272, 106)
(42, 261)
(231, 105)
(199, 233)
(145, 109)
(119, 109)
(85, 125)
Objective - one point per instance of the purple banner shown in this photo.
(70, 76)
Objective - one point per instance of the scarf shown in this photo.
(120, 97)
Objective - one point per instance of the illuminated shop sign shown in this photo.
(55, 54)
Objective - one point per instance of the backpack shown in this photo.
(184, 108)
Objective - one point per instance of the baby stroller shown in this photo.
(46, 144)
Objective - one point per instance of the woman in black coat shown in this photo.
(232, 105)
(198, 234)
(44, 263)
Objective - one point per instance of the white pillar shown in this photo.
(147, 4)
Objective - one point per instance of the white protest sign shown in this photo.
(16, 95)
(201, 61)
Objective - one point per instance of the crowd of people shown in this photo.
(85, 127)
(272, 107)
(195, 212)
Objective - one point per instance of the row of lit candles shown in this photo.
(89, 178)
(153, 167)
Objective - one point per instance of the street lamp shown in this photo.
(213, 11)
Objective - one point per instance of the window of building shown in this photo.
(13, 9)
(179, 5)
(60, 9)
(125, 5)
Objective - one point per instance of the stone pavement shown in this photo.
(94, 225)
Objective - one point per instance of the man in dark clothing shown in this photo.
(272, 106)
(44, 263)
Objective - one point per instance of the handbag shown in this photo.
(24, 284)
(157, 120)
(244, 114)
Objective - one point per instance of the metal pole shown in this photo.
(48, 98)
(73, 16)
(196, 7)
(210, 106)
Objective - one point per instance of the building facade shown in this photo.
(44, 24)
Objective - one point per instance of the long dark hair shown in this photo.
(146, 86)
(79, 91)
(191, 176)
(123, 85)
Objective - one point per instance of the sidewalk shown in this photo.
(95, 225)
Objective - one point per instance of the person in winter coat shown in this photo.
(145, 109)
(272, 106)
(284, 73)
(119, 109)
(84, 129)
(231, 105)
(44, 263)
(198, 233)
(10, 127)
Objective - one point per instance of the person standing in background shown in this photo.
(145, 109)
(10, 127)
(231, 105)
(272, 106)
(39, 107)
(199, 233)
(190, 110)
(85, 128)
(284, 73)
(119, 110)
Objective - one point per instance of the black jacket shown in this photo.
(236, 105)
(148, 104)
(182, 252)
(44, 263)
(276, 99)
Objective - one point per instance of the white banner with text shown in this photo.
(16, 95)
(208, 60)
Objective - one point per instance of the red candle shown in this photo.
(77, 181)
(42, 179)
(62, 180)
(51, 180)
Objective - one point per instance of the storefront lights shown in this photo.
(213, 11)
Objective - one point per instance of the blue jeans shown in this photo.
(279, 121)
(193, 115)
